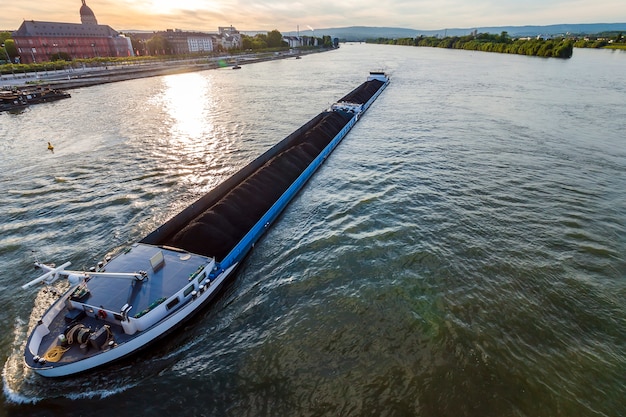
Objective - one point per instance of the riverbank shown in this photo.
(486, 42)
(87, 76)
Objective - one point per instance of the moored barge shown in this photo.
(16, 99)
(150, 288)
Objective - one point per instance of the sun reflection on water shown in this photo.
(187, 100)
(197, 131)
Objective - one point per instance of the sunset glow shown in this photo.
(165, 6)
(207, 15)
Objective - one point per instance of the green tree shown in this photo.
(60, 56)
(9, 44)
(564, 50)
(4, 36)
(274, 39)
(246, 42)
(259, 41)
(599, 44)
(11, 49)
(545, 49)
(158, 45)
(446, 43)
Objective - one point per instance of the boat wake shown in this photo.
(23, 386)
(19, 388)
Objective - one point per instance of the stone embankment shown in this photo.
(85, 77)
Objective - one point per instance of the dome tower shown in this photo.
(87, 17)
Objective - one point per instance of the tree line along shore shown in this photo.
(486, 42)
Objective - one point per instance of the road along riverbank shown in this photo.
(85, 77)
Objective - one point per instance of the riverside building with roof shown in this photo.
(180, 42)
(37, 41)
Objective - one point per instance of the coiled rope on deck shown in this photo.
(55, 353)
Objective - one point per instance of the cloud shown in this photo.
(286, 15)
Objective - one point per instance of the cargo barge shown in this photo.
(17, 99)
(150, 288)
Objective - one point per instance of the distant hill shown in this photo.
(361, 33)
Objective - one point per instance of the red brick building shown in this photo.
(37, 41)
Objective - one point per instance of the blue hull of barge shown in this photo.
(247, 243)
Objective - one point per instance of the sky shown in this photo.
(288, 15)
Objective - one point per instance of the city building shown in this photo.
(229, 37)
(298, 41)
(293, 41)
(179, 42)
(38, 41)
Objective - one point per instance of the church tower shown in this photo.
(87, 17)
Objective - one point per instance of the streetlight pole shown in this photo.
(8, 59)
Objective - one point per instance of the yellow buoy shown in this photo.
(50, 147)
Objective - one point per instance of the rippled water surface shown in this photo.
(461, 253)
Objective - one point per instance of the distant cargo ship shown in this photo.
(153, 286)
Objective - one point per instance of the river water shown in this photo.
(461, 253)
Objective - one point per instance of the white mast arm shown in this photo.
(50, 276)
(137, 276)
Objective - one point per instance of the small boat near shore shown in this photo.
(142, 293)
(11, 100)
(15, 99)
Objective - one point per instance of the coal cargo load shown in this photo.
(362, 93)
(219, 221)
(217, 230)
